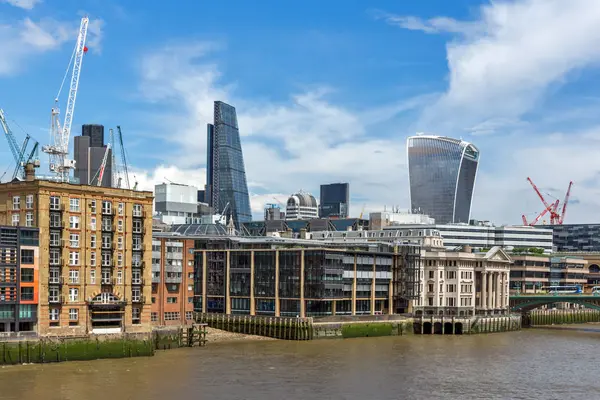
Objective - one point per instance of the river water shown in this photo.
(531, 364)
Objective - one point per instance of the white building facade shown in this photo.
(301, 206)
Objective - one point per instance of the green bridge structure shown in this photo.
(527, 302)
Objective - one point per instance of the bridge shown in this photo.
(528, 302)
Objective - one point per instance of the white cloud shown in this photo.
(502, 64)
(287, 146)
(25, 4)
(27, 39)
(95, 35)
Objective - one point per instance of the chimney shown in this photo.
(467, 249)
(303, 233)
(29, 172)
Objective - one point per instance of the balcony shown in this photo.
(138, 281)
(57, 224)
(155, 279)
(138, 299)
(57, 207)
(55, 280)
(175, 256)
(173, 279)
(56, 299)
(108, 281)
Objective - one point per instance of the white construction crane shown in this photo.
(103, 166)
(58, 150)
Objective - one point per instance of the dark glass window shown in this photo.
(27, 293)
(26, 274)
(27, 256)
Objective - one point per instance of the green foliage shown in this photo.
(531, 250)
(366, 330)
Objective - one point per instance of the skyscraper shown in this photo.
(335, 200)
(442, 174)
(225, 173)
(89, 150)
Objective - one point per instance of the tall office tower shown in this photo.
(442, 174)
(89, 151)
(226, 184)
(335, 200)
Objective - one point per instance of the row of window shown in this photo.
(16, 219)
(74, 206)
(105, 275)
(54, 295)
(28, 202)
(107, 258)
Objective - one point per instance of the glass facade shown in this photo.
(226, 176)
(334, 200)
(442, 177)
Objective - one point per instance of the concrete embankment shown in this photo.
(560, 317)
(344, 327)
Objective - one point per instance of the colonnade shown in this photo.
(494, 290)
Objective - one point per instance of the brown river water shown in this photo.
(531, 364)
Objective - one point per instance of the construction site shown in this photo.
(551, 208)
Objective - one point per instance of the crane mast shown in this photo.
(58, 150)
(103, 166)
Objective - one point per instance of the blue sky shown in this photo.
(326, 91)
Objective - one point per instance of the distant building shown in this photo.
(201, 196)
(380, 220)
(177, 204)
(442, 174)
(575, 237)
(301, 206)
(273, 213)
(334, 200)
(530, 273)
(89, 151)
(226, 184)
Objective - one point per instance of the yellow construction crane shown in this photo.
(362, 212)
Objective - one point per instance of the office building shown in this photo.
(89, 151)
(172, 280)
(94, 264)
(532, 273)
(273, 213)
(334, 200)
(226, 185)
(301, 206)
(178, 204)
(575, 237)
(19, 278)
(442, 174)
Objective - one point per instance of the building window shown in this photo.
(137, 226)
(189, 315)
(136, 260)
(73, 295)
(92, 277)
(73, 314)
(15, 220)
(191, 275)
(27, 256)
(137, 243)
(190, 288)
(431, 275)
(120, 259)
(93, 241)
(73, 258)
(16, 202)
(54, 257)
(54, 314)
(93, 258)
(93, 223)
(154, 317)
(106, 277)
(121, 208)
(137, 210)
(430, 288)
(119, 277)
(74, 205)
(451, 274)
(29, 201)
(106, 224)
(190, 300)
(74, 222)
(106, 242)
(53, 295)
(136, 277)
(74, 239)
(54, 239)
(171, 316)
(106, 259)
(171, 300)
(120, 242)
(27, 293)
(26, 274)
(136, 294)
(93, 206)
(29, 219)
(451, 288)
(55, 221)
(450, 301)
(55, 203)
(74, 276)
(120, 225)
(136, 315)
(106, 207)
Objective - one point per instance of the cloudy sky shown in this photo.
(326, 91)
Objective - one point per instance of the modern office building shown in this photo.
(19, 278)
(301, 206)
(442, 174)
(178, 204)
(226, 185)
(531, 273)
(172, 280)
(273, 213)
(89, 151)
(334, 201)
(575, 237)
(94, 258)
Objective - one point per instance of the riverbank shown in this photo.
(214, 335)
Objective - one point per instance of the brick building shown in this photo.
(94, 254)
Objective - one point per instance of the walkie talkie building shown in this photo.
(442, 174)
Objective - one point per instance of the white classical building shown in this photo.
(463, 283)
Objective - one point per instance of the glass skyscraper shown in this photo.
(442, 174)
(334, 200)
(225, 173)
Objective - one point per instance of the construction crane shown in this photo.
(552, 208)
(124, 159)
(58, 150)
(19, 153)
(116, 180)
(362, 211)
(100, 173)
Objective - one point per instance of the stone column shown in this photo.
(228, 282)
(490, 290)
(252, 300)
(506, 289)
(499, 290)
(483, 294)
(302, 302)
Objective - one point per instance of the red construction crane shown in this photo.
(552, 208)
